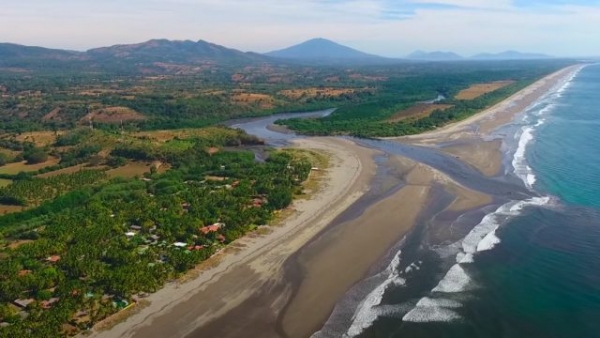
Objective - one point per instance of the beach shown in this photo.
(286, 283)
(178, 309)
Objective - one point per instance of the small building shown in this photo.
(53, 259)
(135, 227)
(212, 228)
(23, 303)
(46, 304)
(221, 238)
(154, 238)
(130, 234)
(180, 244)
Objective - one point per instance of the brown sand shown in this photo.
(485, 156)
(178, 309)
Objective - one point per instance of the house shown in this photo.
(24, 273)
(53, 259)
(180, 244)
(155, 238)
(130, 234)
(221, 238)
(135, 227)
(46, 304)
(23, 303)
(212, 228)
(257, 202)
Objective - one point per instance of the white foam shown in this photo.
(431, 314)
(367, 311)
(520, 165)
(438, 302)
(488, 242)
(456, 280)
(521, 168)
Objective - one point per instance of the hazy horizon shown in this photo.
(383, 27)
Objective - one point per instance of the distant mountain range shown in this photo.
(322, 49)
(173, 51)
(149, 56)
(434, 56)
(160, 55)
(450, 56)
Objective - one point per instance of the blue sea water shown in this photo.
(531, 268)
(566, 152)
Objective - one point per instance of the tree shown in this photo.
(36, 155)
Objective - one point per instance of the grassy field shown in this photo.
(177, 145)
(477, 90)
(419, 110)
(167, 135)
(129, 170)
(113, 115)
(39, 138)
(10, 209)
(313, 92)
(4, 183)
(70, 170)
(263, 100)
(17, 167)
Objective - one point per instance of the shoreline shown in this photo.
(472, 140)
(348, 179)
(277, 302)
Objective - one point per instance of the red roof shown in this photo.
(221, 238)
(210, 228)
(24, 272)
(53, 259)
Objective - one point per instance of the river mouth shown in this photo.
(421, 245)
(273, 135)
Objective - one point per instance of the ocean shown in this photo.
(531, 268)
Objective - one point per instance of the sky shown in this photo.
(390, 28)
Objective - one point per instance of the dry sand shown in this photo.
(178, 309)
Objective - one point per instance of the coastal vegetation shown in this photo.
(88, 245)
(400, 106)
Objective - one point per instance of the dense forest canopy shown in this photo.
(88, 243)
